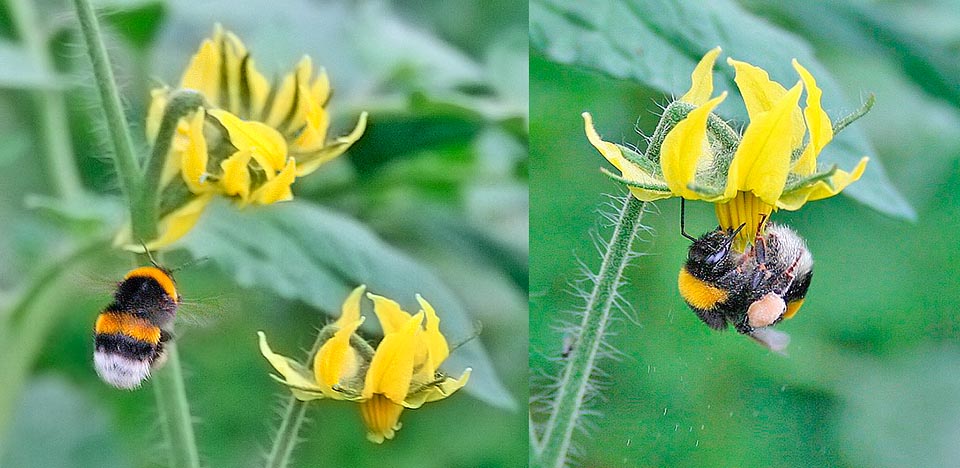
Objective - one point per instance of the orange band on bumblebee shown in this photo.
(792, 308)
(698, 293)
(158, 275)
(126, 324)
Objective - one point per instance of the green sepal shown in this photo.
(632, 183)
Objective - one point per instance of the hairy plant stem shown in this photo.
(49, 103)
(168, 382)
(171, 395)
(286, 438)
(293, 416)
(575, 380)
(124, 157)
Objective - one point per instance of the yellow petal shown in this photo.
(236, 175)
(437, 391)
(158, 104)
(320, 89)
(762, 160)
(629, 171)
(392, 318)
(336, 360)
(760, 94)
(292, 372)
(350, 312)
(259, 89)
(436, 343)
(820, 190)
(278, 188)
(233, 53)
(311, 162)
(391, 369)
(179, 222)
(684, 147)
(194, 159)
(819, 126)
(702, 79)
(314, 134)
(203, 73)
(265, 144)
(287, 97)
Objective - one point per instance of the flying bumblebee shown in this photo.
(751, 290)
(130, 333)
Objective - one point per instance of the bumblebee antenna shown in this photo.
(150, 255)
(683, 210)
(189, 263)
(735, 232)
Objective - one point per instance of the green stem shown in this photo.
(174, 410)
(575, 380)
(124, 156)
(286, 438)
(51, 109)
(293, 416)
(168, 382)
(181, 104)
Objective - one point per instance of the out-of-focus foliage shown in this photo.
(436, 191)
(868, 366)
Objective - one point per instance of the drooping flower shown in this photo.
(772, 165)
(402, 372)
(248, 141)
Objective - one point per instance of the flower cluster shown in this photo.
(698, 156)
(248, 140)
(402, 372)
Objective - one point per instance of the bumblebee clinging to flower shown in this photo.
(751, 290)
(130, 332)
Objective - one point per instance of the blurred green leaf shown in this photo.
(930, 60)
(304, 252)
(393, 48)
(922, 422)
(14, 147)
(423, 125)
(657, 43)
(20, 70)
(55, 425)
(137, 21)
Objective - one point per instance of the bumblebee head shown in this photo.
(711, 252)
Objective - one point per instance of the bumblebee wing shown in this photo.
(774, 340)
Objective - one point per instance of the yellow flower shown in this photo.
(252, 138)
(772, 165)
(401, 373)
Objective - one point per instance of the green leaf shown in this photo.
(304, 252)
(657, 43)
(57, 425)
(137, 21)
(20, 70)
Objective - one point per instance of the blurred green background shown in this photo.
(871, 378)
(440, 177)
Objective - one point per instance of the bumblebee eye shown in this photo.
(715, 257)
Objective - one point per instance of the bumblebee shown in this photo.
(130, 333)
(751, 290)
